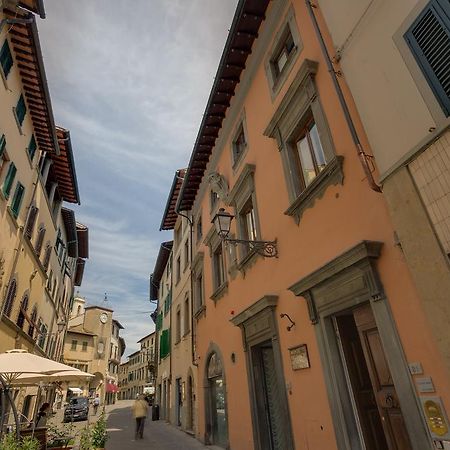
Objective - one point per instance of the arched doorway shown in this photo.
(217, 426)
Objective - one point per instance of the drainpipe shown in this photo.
(363, 156)
(191, 245)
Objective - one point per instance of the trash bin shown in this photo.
(155, 412)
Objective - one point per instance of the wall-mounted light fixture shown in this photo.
(289, 327)
(222, 222)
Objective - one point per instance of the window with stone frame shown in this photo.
(304, 141)
(186, 317)
(213, 200)
(239, 144)
(186, 254)
(218, 266)
(31, 221)
(33, 318)
(283, 53)
(197, 276)
(47, 254)
(73, 345)
(199, 229)
(178, 326)
(22, 311)
(39, 240)
(3, 154)
(10, 297)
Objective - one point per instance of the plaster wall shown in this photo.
(344, 216)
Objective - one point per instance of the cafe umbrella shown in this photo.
(17, 362)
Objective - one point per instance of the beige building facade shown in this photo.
(42, 247)
(93, 344)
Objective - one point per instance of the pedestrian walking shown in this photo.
(140, 408)
(42, 415)
(96, 403)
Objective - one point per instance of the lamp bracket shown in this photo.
(268, 249)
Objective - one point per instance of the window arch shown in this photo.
(31, 220)
(39, 239)
(33, 321)
(22, 310)
(47, 254)
(10, 296)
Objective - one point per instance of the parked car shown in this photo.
(77, 409)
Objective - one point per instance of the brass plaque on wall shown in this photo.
(299, 357)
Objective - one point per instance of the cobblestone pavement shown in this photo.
(158, 435)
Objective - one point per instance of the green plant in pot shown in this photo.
(60, 437)
(99, 435)
(10, 442)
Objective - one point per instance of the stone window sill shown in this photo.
(201, 312)
(36, 258)
(247, 261)
(331, 175)
(13, 218)
(220, 292)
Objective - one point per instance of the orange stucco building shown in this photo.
(326, 345)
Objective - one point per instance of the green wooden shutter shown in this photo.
(2, 144)
(429, 41)
(6, 59)
(32, 147)
(17, 199)
(9, 180)
(21, 109)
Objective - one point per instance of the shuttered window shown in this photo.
(10, 296)
(32, 215)
(48, 252)
(21, 110)
(429, 40)
(32, 148)
(164, 347)
(7, 185)
(17, 199)
(6, 59)
(2, 144)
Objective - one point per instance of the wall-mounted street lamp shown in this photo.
(222, 222)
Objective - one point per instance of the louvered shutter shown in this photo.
(10, 296)
(40, 241)
(7, 185)
(32, 215)
(21, 109)
(2, 144)
(32, 147)
(429, 40)
(17, 199)
(6, 59)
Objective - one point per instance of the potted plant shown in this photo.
(99, 435)
(10, 442)
(59, 438)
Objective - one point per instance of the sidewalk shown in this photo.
(158, 435)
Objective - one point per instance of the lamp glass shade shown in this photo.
(222, 222)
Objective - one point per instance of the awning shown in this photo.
(76, 390)
(110, 387)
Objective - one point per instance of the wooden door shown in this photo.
(382, 384)
(361, 385)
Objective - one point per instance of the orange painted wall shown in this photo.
(344, 216)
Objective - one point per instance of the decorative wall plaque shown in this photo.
(299, 357)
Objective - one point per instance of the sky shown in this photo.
(130, 80)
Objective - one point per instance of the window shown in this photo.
(33, 321)
(40, 241)
(6, 59)
(47, 254)
(74, 345)
(248, 221)
(42, 334)
(17, 199)
(10, 296)
(21, 110)
(429, 40)
(7, 185)
(283, 53)
(164, 344)
(178, 327)
(218, 267)
(178, 235)
(22, 311)
(32, 148)
(2, 145)
(31, 220)
(198, 291)
(309, 155)
(178, 266)
(213, 200)
(199, 230)
(186, 254)
(186, 316)
(304, 141)
(84, 347)
(239, 144)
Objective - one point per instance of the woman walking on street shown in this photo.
(140, 407)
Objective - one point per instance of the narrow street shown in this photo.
(158, 435)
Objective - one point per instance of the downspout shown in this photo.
(363, 156)
(191, 246)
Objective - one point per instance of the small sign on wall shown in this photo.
(299, 357)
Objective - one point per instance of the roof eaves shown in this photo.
(166, 223)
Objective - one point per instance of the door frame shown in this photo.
(258, 324)
(345, 282)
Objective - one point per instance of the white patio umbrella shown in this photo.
(68, 375)
(15, 363)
